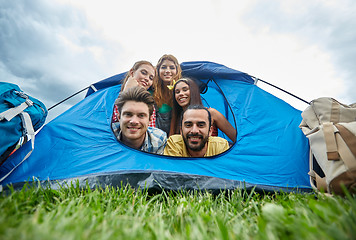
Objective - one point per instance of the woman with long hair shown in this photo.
(143, 74)
(168, 71)
(185, 93)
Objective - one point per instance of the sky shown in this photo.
(53, 49)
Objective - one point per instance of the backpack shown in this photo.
(330, 127)
(20, 116)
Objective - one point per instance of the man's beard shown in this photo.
(196, 148)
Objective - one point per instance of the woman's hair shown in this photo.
(177, 110)
(134, 68)
(161, 93)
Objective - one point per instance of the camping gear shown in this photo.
(331, 129)
(20, 116)
(270, 154)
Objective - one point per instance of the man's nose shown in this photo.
(195, 129)
(134, 120)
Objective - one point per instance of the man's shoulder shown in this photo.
(157, 134)
(176, 138)
(155, 141)
(156, 131)
(218, 140)
(217, 145)
(175, 146)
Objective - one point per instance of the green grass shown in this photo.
(125, 213)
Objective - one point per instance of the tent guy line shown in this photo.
(256, 80)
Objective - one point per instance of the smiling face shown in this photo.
(134, 119)
(144, 75)
(195, 131)
(182, 94)
(167, 71)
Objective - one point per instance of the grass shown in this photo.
(125, 213)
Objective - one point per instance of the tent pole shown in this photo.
(55, 105)
(258, 79)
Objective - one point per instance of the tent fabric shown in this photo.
(271, 153)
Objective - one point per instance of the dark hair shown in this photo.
(177, 110)
(196, 107)
(137, 94)
(134, 68)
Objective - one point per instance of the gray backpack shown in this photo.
(331, 129)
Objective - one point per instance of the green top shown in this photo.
(165, 108)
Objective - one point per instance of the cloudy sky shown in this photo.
(52, 49)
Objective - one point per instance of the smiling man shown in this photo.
(195, 139)
(135, 107)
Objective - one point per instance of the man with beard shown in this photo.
(195, 139)
(135, 108)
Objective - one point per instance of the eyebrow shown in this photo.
(134, 113)
(200, 122)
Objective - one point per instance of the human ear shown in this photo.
(118, 116)
(131, 72)
(210, 130)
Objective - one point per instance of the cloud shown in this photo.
(325, 26)
(50, 50)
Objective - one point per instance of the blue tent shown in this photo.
(271, 152)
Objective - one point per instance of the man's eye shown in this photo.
(201, 124)
(141, 115)
(127, 114)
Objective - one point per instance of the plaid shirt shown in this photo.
(152, 123)
(155, 139)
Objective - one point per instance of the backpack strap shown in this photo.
(331, 147)
(349, 138)
(335, 111)
(28, 129)
(317, 182)
(13, 112)
(345, 149)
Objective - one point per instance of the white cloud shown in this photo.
(56, 48)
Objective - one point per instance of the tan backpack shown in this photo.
(331, 129)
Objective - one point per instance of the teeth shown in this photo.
(194, 138)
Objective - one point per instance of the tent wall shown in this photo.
(271, 152)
